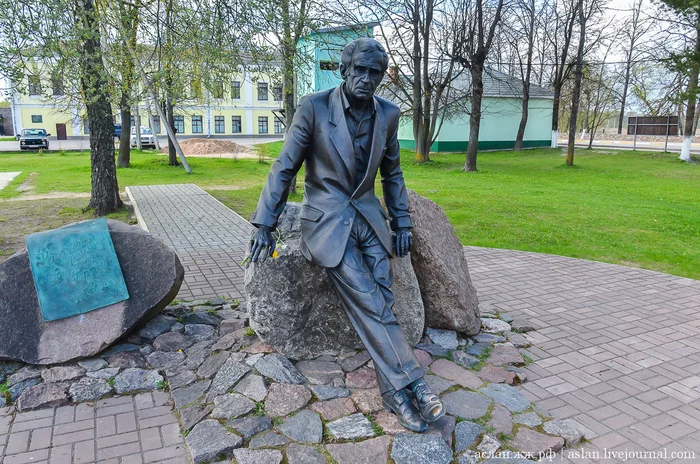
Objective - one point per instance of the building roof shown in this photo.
(498, 84)
(351, 27)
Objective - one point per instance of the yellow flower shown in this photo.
(275, 254)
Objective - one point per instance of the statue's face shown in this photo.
(364, 75)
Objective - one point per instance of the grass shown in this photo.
(633, 208)
(8, 139)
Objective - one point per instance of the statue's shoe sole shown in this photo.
(411, 427)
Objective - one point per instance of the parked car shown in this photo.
(117, 130)
(33, 138)
(147, 137)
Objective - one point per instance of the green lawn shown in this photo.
(7, 139)
(633, 208)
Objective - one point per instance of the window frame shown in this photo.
(265, 93)
(34, 87)
(199, 125)
(261, 120)
(37, 119)
(217, 120)
(181, 120)
(236, 85)
(236, 123)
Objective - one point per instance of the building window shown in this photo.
(132, 121)
(329, 65)
(262, 124)
(236, 124)
(277, 92)
(235, 90)
(86, 127)
(279, 128)
(57, 84)
(34, 85)
(179, 124)
(37, 119)
(219, 125)
(197, 124)
(196, 89)
(217, 90)
(262, 91)
(156, 124)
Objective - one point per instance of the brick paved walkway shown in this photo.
(617, 348)
(126, 430)
(209, 238)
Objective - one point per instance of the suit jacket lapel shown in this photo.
(378, 143)
(341, 135)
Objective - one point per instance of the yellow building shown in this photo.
(242, 106)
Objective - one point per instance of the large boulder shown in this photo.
(438, 260)
(294, 308)
(153, 275)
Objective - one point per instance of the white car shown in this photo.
(147, 137)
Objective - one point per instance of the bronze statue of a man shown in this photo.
(344, 135)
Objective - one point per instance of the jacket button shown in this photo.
(347, 223)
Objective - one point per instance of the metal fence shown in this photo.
(652, 125)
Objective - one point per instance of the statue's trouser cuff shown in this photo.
(363, 282)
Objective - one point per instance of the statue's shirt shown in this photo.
(360, 123)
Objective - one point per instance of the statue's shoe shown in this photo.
(431, 408)
(400, 403)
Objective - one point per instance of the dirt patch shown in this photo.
(21, 218)
(28, 184)
(200, 147)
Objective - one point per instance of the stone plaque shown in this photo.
(75, 269)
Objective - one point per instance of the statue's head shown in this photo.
(364, 63)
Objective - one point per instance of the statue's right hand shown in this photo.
(262, 244)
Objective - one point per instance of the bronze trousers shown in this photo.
(363, 282)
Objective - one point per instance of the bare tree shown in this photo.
(527, 21)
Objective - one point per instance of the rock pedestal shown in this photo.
(294, 308)
(153, 275)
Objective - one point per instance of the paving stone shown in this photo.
(508, 396)
(469, 457)
(451, 371)
(253, 386)
(228, 326)
(279, 369)
(466, 435)
(500, 420)
(368, 400)
(268, 439)
(423, 357)
(126, 360)
(327, 392)
(157, 326)
(253, 359)
(488, 446)
(320, 372)
(231, 372)
(333, 409)
(259, 347)
(388, 422)
(438, 384)
(45, 395)
(433, 349)
(505, 354)
(283, 399)
(104, 374)
(493, 374)
(355, 362)
(444, 338)
(464, 359)
(231, 406)
(478, 349)
(249, 426)
(182, 379)
(62, 374)
(199, 332)
(467, 405)
(248, 456)
(136, 380)
(209, 440)
(188, 395)
(303, 454)
(18, 388)
(89, 389)
(201, 318)
(445, 426)
(351, 427)
(520, 375)
(211, 366)
(373, 451)
(361, 378)
(227, 342)
(521, 325)
(485, 337)
(570, 431)
(172, 341)
(305, 426)
(535, 444)
(530, 419)
(120, 348)
(165, 360)
(193, 415)
(26, 373)
(494, 325)
(412, 448)
(518, 340)
(92, 365)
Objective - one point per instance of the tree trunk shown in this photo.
(555, 116)
(523, 118)
(625, 86)
(137, 123)
(526, 80)
(477, 73)
(692, 100)
(124, 159)
(104, 197)
(172, 153)
(576, 94)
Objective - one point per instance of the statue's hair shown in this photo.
(366, 44)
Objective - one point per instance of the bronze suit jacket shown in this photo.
(319, 136)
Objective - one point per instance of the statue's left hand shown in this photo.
(403, 241)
